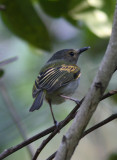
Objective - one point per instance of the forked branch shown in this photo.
(52, 129)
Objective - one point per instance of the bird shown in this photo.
(57, 80)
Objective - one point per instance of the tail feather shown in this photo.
(37, 102)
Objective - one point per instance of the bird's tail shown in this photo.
(38, 101)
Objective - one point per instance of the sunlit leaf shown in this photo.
(21, 18)
(97, 21)
(92, 40)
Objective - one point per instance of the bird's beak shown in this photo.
(79, 51)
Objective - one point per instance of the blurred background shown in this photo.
(30, 32)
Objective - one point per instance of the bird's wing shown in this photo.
(56, 77)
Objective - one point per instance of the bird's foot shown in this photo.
(72, 99)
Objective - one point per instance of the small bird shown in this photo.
(58, 79)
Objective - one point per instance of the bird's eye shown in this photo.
(71, 54)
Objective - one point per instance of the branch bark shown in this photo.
(89, 105)
(102, 123)
(71, 115)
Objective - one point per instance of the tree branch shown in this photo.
(71, 115)
(109, 94)
(60, 126)
(72, 137)
(11, 150)
(52, 156)
(88, 105)
(45, 142)
(102, 123)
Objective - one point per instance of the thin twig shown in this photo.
(102, 123)
(60, 126)
(45, 142)
(52, 156)
(39, 135)
(11, 150)
(14, 115)
(109, 94)
(7, 61)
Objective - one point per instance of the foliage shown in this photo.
(23, 19)
(40, 23)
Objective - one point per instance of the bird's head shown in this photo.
(68, 55)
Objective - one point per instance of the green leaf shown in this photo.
(101, 27)
(55, 8)
(21, 18)
(58, 8)
(75, 3)
(1, 73)
(71, 20)
(109, 8)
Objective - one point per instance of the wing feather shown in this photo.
(56, 77)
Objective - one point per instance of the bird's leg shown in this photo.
(70, 98)
(55, 122)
